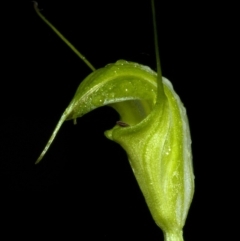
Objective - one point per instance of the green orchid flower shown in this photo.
(153, 130)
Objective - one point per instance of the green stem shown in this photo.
(159, 71)
(83, 58)
(178, 236)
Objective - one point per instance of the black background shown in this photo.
(88, 174)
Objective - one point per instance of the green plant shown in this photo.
(153, 130)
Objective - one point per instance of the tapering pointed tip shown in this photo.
(45, 149)
(39, 159)
(59, 124)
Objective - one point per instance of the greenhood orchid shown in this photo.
(153, 130)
